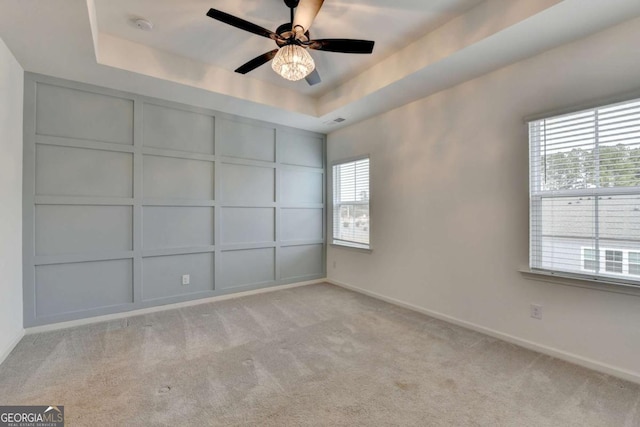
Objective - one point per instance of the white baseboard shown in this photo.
(123, 315)
(12, 344)
(540, 348)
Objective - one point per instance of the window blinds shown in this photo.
(585, 192)
(351, 203)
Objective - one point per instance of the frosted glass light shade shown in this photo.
(293, 62)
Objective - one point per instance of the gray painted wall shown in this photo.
(124, 194)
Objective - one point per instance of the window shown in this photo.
(634, 263)
(613, 261)
(590, 260)
(616, 261)
(585, 193)
(351, 218)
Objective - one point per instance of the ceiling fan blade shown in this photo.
(256, 62)
(305, 14)
(242, 24)
(313, 78)
(342, 45)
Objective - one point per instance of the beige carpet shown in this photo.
(316, 355)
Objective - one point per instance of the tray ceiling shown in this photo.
(421, 48)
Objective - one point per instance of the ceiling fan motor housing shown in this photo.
(288, 35)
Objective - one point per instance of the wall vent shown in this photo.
(334, 121)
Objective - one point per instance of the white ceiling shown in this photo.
(422, 48)
(182, 28)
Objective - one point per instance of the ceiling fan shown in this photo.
(291, 59)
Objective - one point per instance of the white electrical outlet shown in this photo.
(186, 279)
(536, 311)
(334, 265)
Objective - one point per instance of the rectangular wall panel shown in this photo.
(66, 171)
(84, 115)
(174, 129)
(171, 178)
(301, 224)
(247, 141)
(80, 229)
(66, 288)
(302, 150)
(300, 187)
(163, 275)
(247, 225)
(301, 261)
(246, 267)
(176, 227)
(250, 185)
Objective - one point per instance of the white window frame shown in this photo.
(629, 263)
(621, 262)
(342, 243)
(624, 279)
(583, 258)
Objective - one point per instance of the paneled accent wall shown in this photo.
(123, 195)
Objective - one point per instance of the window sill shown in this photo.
(353, 248)
(567, 279)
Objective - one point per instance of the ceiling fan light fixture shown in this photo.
(293, 62)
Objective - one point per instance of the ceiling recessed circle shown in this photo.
(143, 24)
